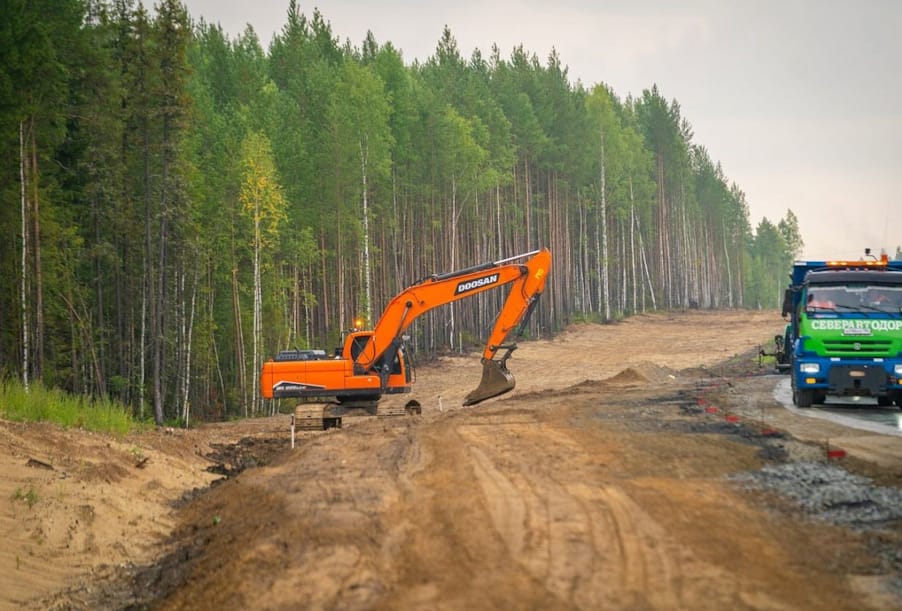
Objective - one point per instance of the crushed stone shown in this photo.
(829, 493)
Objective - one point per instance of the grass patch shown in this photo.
(40, 404)
(30, 496)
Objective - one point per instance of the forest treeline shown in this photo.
(179, 204)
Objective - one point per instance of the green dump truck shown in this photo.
(844, 336)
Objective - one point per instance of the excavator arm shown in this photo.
(527, 279)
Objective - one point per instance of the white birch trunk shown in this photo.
(186, 406)
(726, 254)
(604, 236)
(142, 362)
(258, 307)
(367, 273)
(623, 269)
(599, 290)
(25, 346)
(633, 263)
(452, 307)
(584, 295)
(651, 287)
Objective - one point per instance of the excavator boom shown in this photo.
(527, 279)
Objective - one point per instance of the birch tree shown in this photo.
(264, 204)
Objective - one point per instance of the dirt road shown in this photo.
(612, 477)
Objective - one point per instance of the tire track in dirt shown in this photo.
(588, 542)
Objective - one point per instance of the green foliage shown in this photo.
(770, 250)
(40, 404)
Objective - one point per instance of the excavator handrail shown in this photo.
(527, 279)
(480, 267)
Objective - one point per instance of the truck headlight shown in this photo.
(898, 369)
(809, 368)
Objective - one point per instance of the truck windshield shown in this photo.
(885, 298)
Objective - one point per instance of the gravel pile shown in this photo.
(830, 493)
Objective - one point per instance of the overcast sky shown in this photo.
(799, 100)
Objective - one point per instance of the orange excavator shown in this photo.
(374, 363)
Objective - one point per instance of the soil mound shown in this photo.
(628, 377)
(641, 373)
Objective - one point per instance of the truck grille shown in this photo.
(858, 347)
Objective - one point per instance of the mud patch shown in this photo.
(232, 458)
(106, 472)
(770, 443)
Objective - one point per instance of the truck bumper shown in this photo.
(862, 377)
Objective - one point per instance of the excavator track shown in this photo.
(392, 409)
(314, 417)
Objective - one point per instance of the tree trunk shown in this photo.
(452, 246)
(159, 297)
(528, 187)
(651, 287)
(186, 405)
(367, 271)
(98, 320)
(726, 254)
(24, 293)
(149, 298)
(633, 263)
(604, 236)
(142, 365)
(36, 251)
(258, 308)
(239, 340)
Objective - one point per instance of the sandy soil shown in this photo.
(602, 481)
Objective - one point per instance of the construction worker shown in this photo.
(878, 298)
(820, 299)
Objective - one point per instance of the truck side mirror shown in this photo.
(787, 302)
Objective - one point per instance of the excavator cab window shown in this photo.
(357, 345)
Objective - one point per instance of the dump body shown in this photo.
(844, 336)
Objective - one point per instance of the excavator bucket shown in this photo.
(496, 380)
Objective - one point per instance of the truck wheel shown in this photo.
(804, 398)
